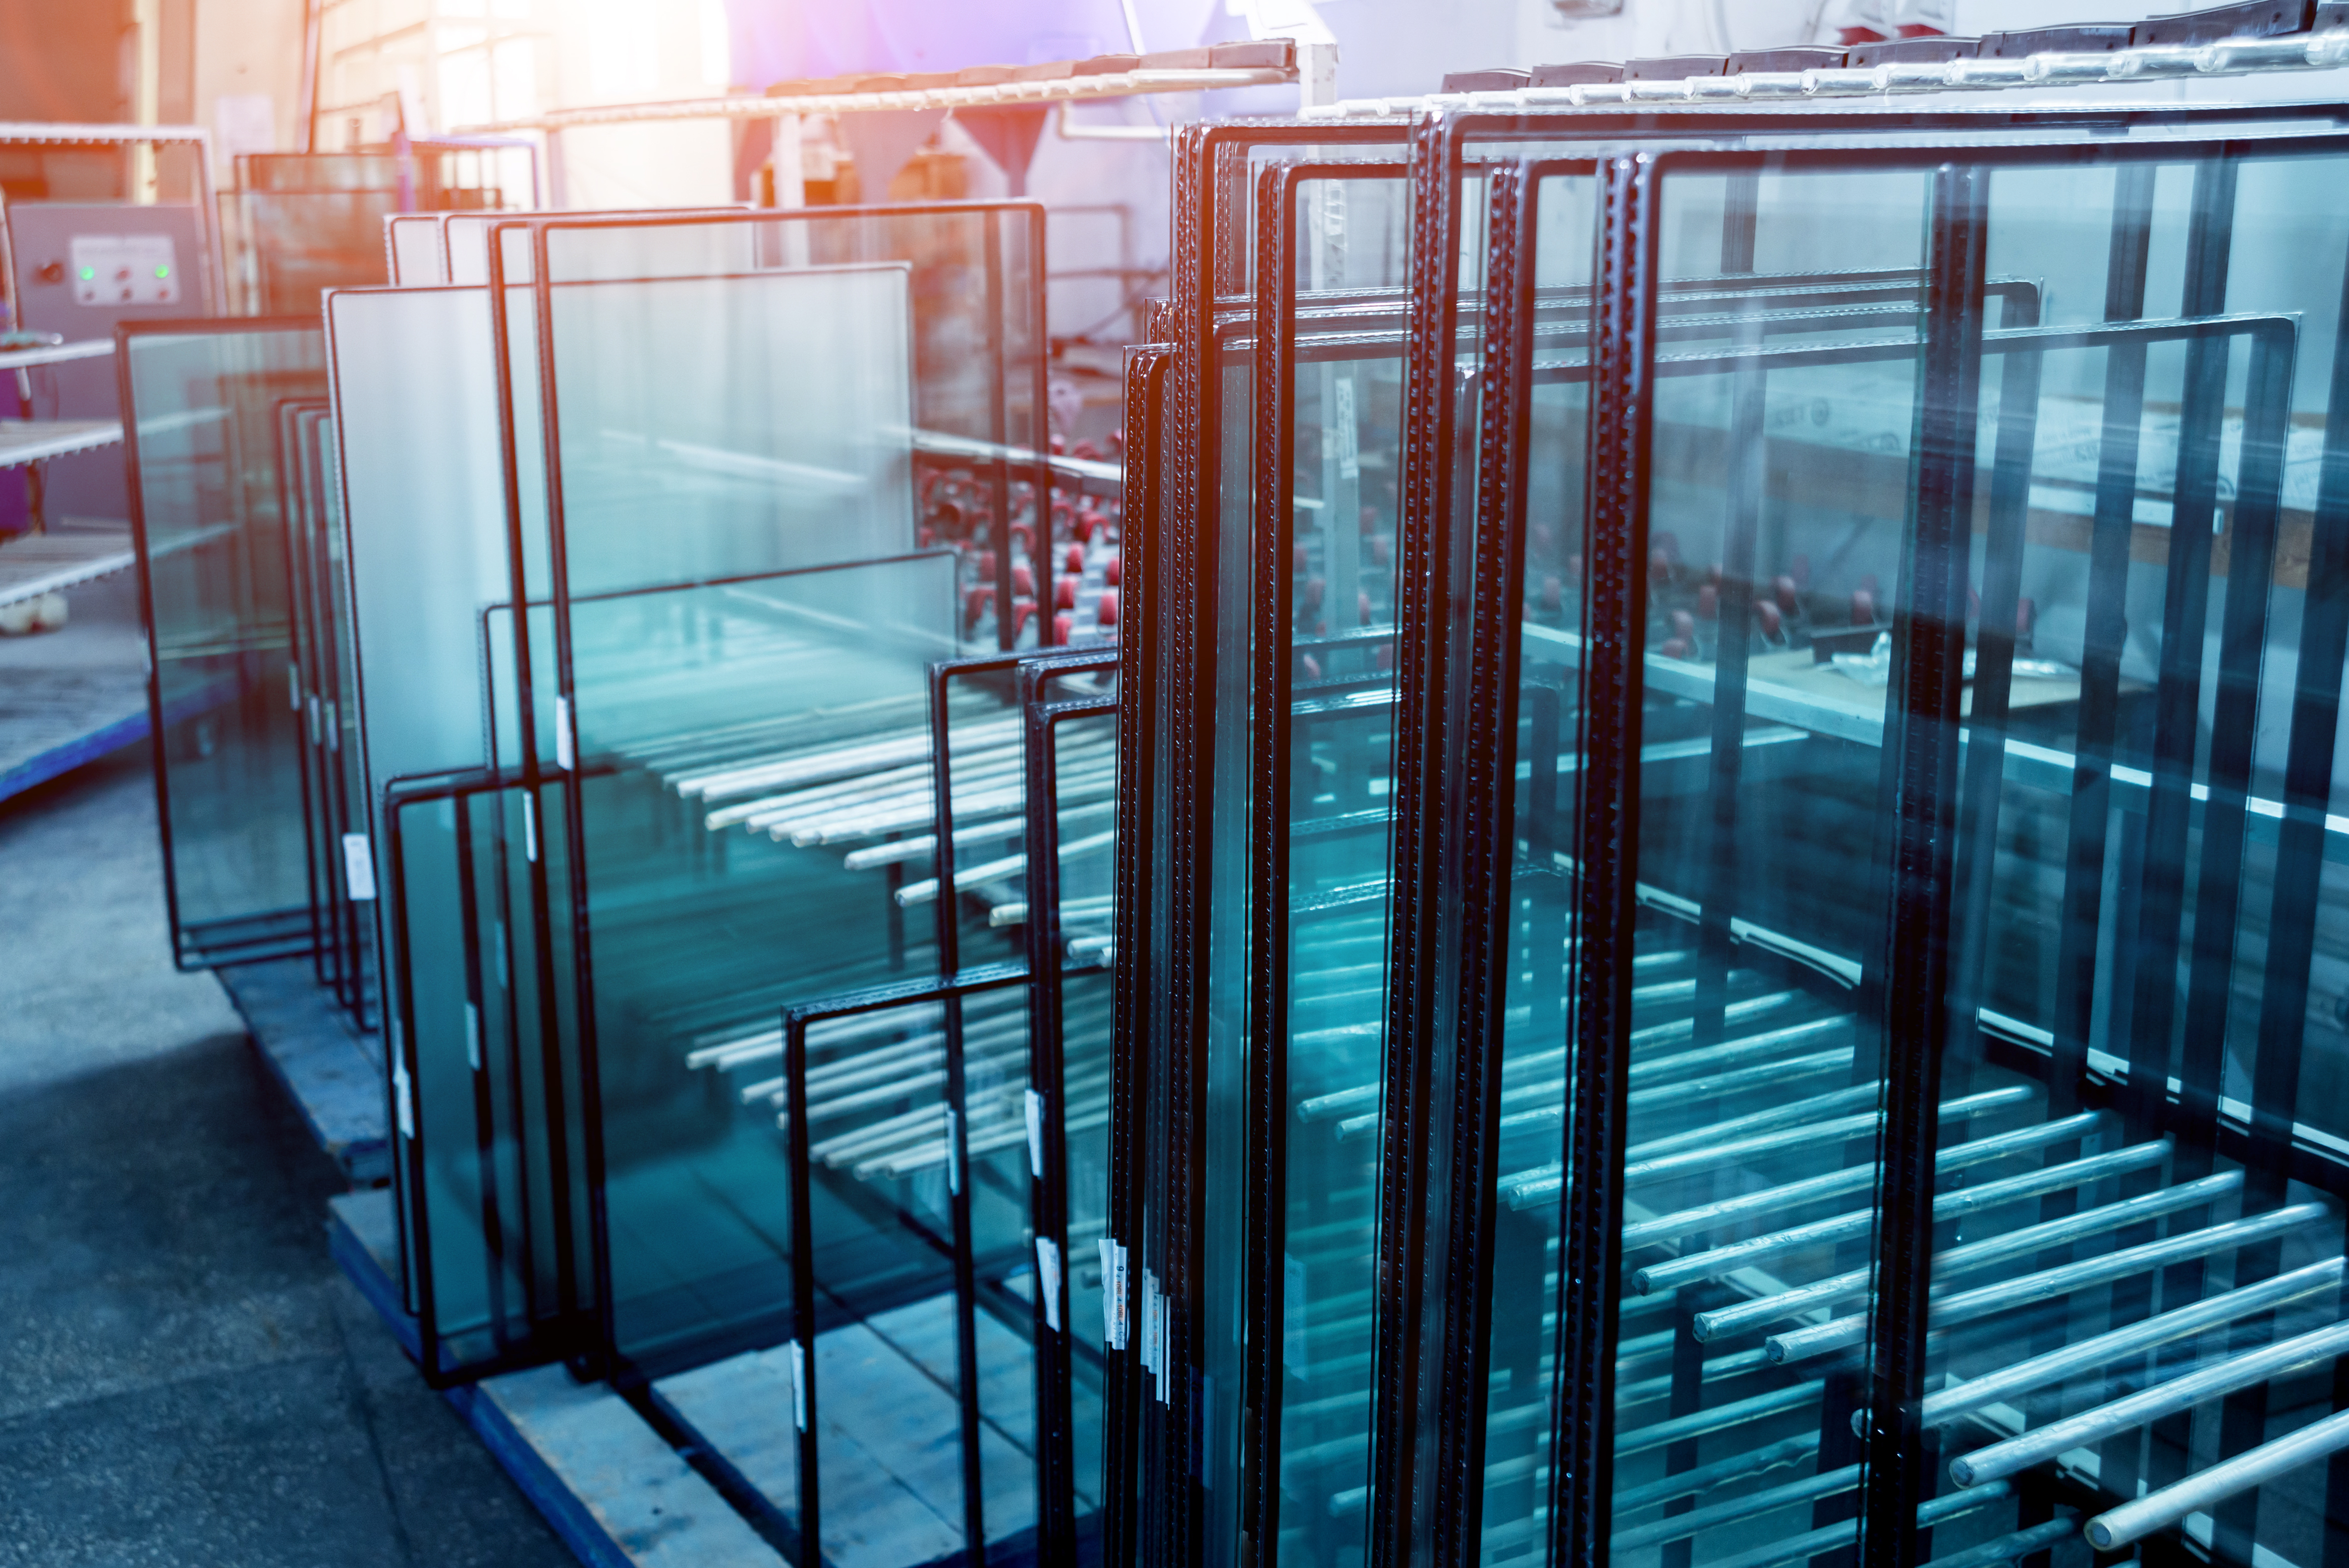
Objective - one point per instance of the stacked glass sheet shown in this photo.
(1777, 1008)
(660, 663)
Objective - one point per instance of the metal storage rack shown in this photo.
(1612, 905)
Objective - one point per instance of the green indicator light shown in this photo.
(163, 272)
(87, 273)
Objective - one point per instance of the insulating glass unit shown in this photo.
(743, 607)
(1982, 1142)
(201, 420)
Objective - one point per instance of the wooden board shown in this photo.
(333, 1072)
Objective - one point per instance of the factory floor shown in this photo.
(185, 1378)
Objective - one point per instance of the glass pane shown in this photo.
(2137, 1308)
(714, 723)
(1339, 682)
(202, 422)
(1753, 1081)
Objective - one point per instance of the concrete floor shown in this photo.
(184, 1375)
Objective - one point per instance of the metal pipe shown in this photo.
(2025, 1289)
(1716, 1262)
(2201, 1493)
(1704, 1478)
(2297, 1354)
(1977, 1254)
(2020, 1543)
(2130, 1339)
(1828, 1537)
(1679, 1526)
(1794, 1397)
(1855, 1179)
(1831, 1131)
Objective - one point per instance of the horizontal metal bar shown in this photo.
(1827, 1538)
(1840, 1128)
(1717, 1260)
(2297, 1354)
(1857, 1178)
(1964, 1306)
(1680, 1526)
(2130, 1339)
(2199, 1494)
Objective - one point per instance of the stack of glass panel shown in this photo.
(651, 719)
(1822, 1045)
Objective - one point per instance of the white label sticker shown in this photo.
(1035, 1135)
(530, 829)
(401, 1104)
(1341, 414)
(1113, 1267)
(358, 868)
(954, 1152)
(795, 1356)
(473, 1037)
(562, 733)
(125, 269)
(294, 685)
(313, 715)
(1048, 1280)
(334, 727)
(1292, 1314)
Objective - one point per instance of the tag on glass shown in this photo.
(358, 868)
(1048, 1280)
(1035, 1134)
(796, 1355)
(562, 733)
(1113, 1267)
(473, 1037)
(403, 1106)
(954, 1152)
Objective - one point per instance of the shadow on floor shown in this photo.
(185, 1376)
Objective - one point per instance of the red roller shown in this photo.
(1023, 581)
(1683, 626)
(1386, 658)
(1060, 447)
(1553, 594)
(1025, 537)
(1708, 603)
(1379, 551)
(1314, 588)
(1713, 575)
(1312, 666)
(1021, 610)
(1361, 609)
(1670, 544)
(2025, 612)
(1109, 571)
(1574, 566)
(975, 603)
(1674, 648)
(1767, 614)
(1064, 593)
(1106, 612)
(1790, 597)
(1074, 561)
(1296, 559)
(1868, 585)
(1086, 450)
(1863, 608)
(1090, 522)
(1659, 564)
(1117, 440)
(1369, 519)
(1060, 627)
